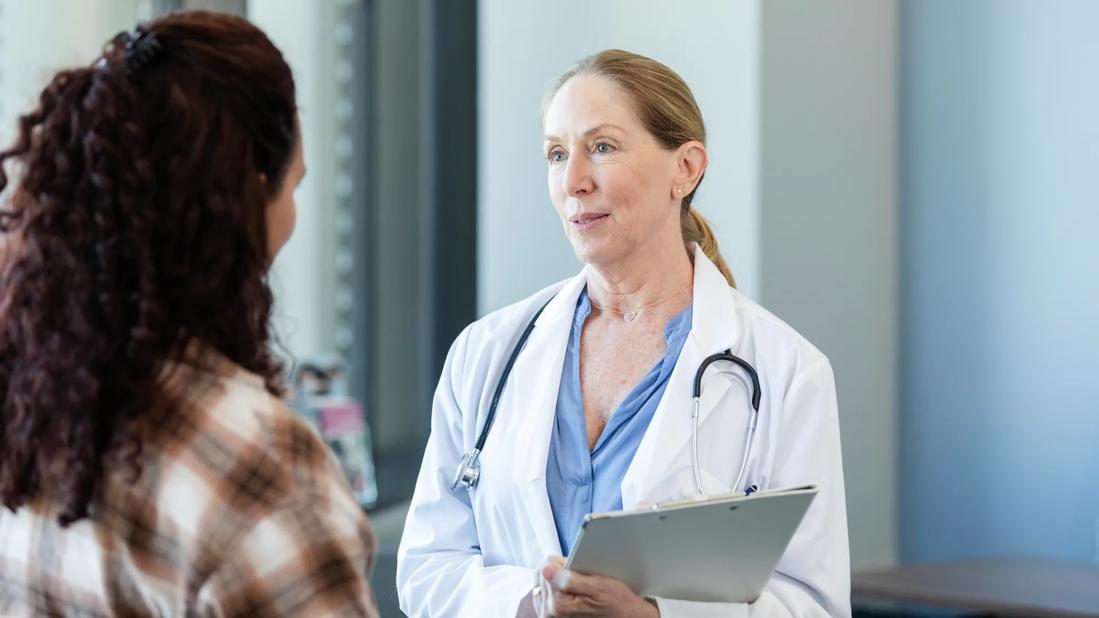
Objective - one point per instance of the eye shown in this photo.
(555, 156)
(603, 148)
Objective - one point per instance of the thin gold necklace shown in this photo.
(630, 316)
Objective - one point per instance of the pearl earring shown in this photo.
(679, 191)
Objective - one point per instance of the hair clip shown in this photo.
(141, 48)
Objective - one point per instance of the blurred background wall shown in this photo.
(37, 39)
(909, 183)
(1000, 284)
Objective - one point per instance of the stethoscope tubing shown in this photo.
(696, 396)
(504, 378)
(469, 467)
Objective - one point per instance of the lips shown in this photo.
(587, 217)
(588, 222)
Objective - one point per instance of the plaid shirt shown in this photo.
(240, 510)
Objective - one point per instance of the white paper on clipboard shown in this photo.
(721, 549)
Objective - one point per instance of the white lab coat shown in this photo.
(464, 555)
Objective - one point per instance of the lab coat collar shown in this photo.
(532, 393)
(537, 374)
(538, 377)
(714, 316)
(562, 307)
(713, 330)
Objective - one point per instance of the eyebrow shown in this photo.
(595, 129)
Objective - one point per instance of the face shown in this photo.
(281, 209)
(609, 180)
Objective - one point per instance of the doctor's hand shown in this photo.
(571, 594)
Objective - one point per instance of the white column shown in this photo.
(38, 39)
(303, 276)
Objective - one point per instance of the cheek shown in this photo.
(556, 193)
(626, 185)
(281, 218)
(291, 216)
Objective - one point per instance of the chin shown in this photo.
(591, 251)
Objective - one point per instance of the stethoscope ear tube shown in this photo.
(504, 378)
(728, 355)
(469, 468)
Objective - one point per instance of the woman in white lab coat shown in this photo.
(596, 412)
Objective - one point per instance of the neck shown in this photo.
(645, 278)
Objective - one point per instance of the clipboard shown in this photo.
(719, 549)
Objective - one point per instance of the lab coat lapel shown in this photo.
(667, 439)
(531, 394)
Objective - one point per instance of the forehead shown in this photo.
(587, 101)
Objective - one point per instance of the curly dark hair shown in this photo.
(135, 224)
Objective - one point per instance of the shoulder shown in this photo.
(784, 350)
(285, 518)
(516, 314)
(235, 452)
(264, 435)
(500, 329)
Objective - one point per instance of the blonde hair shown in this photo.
(669, 111)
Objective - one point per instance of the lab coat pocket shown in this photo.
(714, 486)
(499, 505)
(680, 485)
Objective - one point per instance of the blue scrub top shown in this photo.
(580, 481)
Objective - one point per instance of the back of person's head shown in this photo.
(667, 108)
(135, 224)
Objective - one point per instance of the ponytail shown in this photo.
(697, 230)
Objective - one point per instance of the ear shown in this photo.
(691, 160)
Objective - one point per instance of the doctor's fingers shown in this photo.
(552, 565)
(572, 594)
(565, 605)
(595, 587)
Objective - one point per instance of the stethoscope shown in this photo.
(469, 468)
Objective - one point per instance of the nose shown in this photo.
(578, 178)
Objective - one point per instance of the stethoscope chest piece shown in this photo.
(468, 472)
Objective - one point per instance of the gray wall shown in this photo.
(829, 227)
(525, 45)
(399, 262)
(1001, 206)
